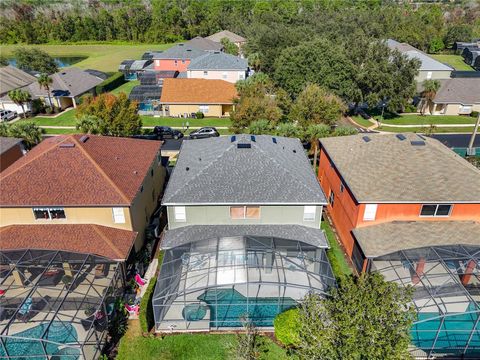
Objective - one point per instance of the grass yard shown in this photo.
(126, 88)
(66, 119)
(103, 57)
(429, 119)
(437, 130)
(455, 61)
(185, 346)
(361, 121)
(335, 255)
(177, 122)
(61, 131)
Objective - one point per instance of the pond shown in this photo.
(62, 61)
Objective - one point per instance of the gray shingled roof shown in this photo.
(13, 78)
(193, 233)
(387, 169)
(426, 62)
(216, 171)
(382, 239)
(6, 143)
(218, 61)
(464, 91)
(204, 44)
(180, 52)
(217, 37)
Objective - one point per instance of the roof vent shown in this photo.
(252, 137)
(84, 138)
(135, 172)
(294, 151)
(243, 146)
(401, 137)
(187, 168)
(189, 49)
(417, 143)
(274, 140)
(67, 145)
(233, 138)
(366, 139)
(180, 44)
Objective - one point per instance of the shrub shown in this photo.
(110, 83)
(287, 327)
(147, 320)
(199, 115)
(474, 114)
(48, 110)
(410, 108)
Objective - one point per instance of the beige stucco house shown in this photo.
(218, 66)
(457, 96)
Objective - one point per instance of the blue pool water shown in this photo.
(227, 306)
(455, 331)
(62, 61)
(59, 332)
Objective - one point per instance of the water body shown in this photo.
(62, 61)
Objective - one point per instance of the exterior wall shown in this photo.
(146, 201)
(10, 156)
(347, 214)
(171, 65)
(74, 215)
(451, 109)
(10, 105)
(436, 75)
(180, 110)
(220, 215)
(228, 75)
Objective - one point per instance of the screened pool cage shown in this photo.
(56, 304)
(446, 280)
(213, 284)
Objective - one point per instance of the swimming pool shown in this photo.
(227, 306)
(31, 345)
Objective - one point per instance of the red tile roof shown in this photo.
(65, 171)
(82, 238)
(197, 91)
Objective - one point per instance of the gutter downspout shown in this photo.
(470, 149)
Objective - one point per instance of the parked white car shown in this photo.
(7, 115)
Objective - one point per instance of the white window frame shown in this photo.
(241, 76)
(49, 213)
(436, 209)
(118, 215)
(245, 212)
(180, 213)
(205, 73)
(203, 108)
(224, 75)
(309, 213)
(370, 212)
(429, 75)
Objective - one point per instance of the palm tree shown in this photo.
(312, 134)
(20, 97)
(430, 88)
(44, 81)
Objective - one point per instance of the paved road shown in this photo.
(457, 140)
(172, 144)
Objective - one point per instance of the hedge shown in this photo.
(287, 327)
(147, 320)
(110, 83)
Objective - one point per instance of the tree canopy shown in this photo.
(36, 60)
(30, 132)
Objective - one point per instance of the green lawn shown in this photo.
(66, 119)
(185, 347)
(429, 119)
(126, 88)
(61, 131)
(455, 61)
(424, 129)
(177, 122)
(335, 255)
(103, 57)
(361, 121)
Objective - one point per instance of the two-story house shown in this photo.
(218, 65)
(84, 179)
(244, 237)
(407, 207)
(176, 58)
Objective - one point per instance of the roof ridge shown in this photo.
(107, 240)
(35, 157)
(98, 167)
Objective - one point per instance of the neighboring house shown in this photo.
(68, 85)
(408, 207)
(244, 216)
(181, 97)
(457, 96)
(12, 78)
(97, 180)
(132, 68)
(11, 149)
(176, 58)
(204, 44)
(218, 65)
(236, 39)
(429, 67)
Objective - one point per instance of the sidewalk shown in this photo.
(143, 127)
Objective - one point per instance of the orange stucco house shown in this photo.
(391, 192)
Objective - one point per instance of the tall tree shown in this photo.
(3, 61)
(30, 132)
(20, 97)
(229, 47)
(45, 81)
(35, 60)
(365, 317)
(430, 89)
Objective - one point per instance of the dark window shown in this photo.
(436, 210)
(151, 172)
(428, 210)
(331, 198)
(342, 188)
(443, 210)
(48, 213)
(141, 188)
(41, 214)
(57, 214)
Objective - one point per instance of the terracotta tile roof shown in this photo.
(197, 91)
(65, 171)
(82, 238)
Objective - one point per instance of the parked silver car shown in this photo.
(7, 115)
